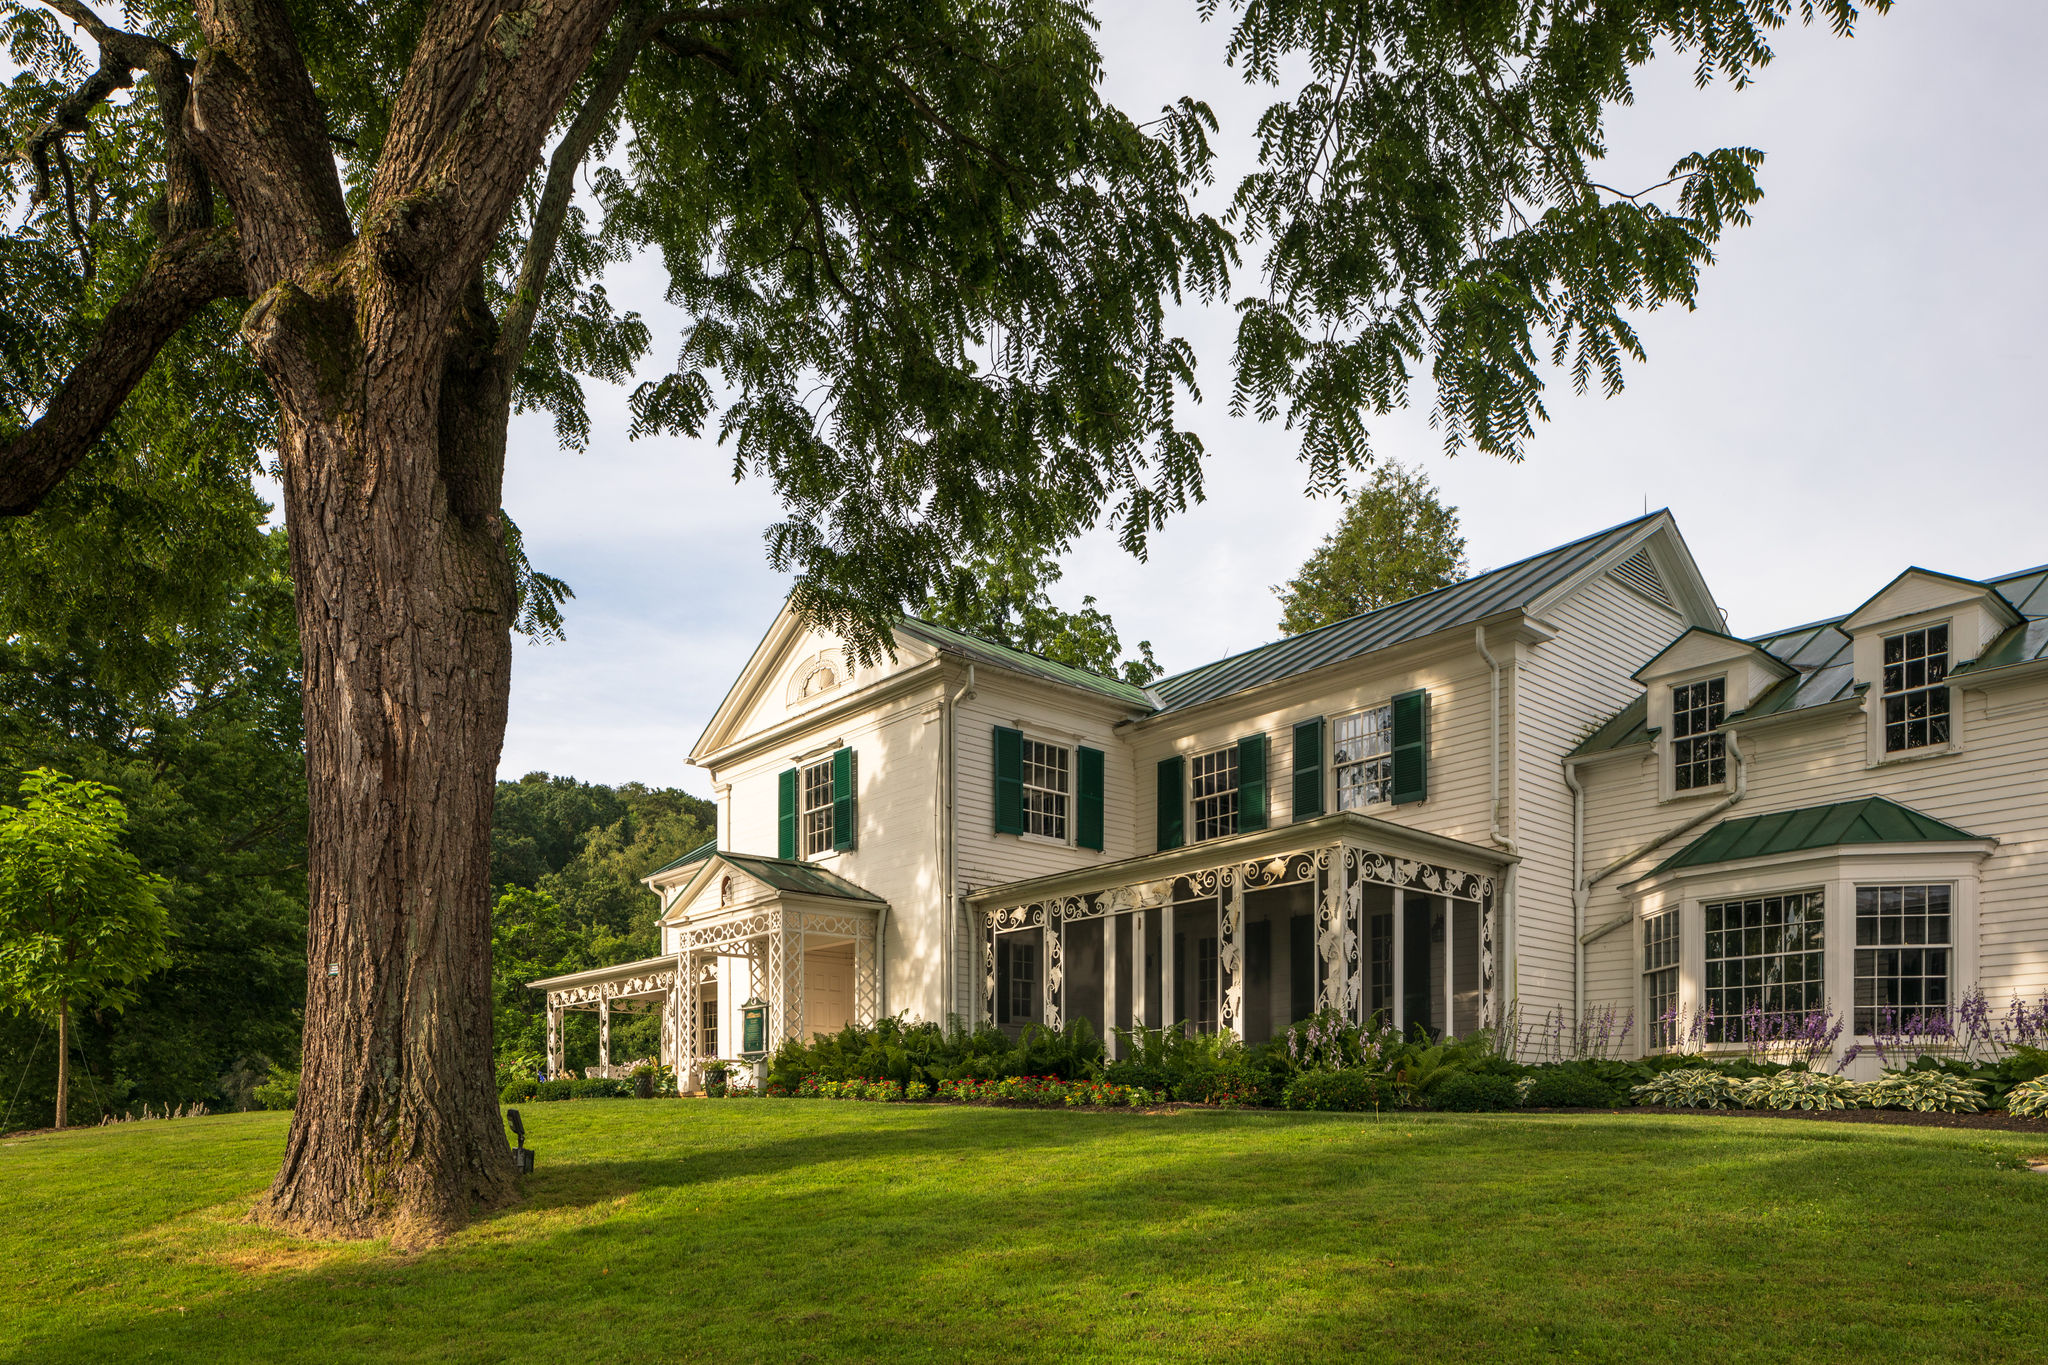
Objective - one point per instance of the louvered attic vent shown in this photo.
(1638, 571)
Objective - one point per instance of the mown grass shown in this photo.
(790, 1231)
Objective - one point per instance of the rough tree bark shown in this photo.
(393, 387)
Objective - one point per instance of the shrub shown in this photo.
(2028, 1099)
(1569, 1086)
(280, 1090)
(1925, 1092)
(1474, 1093)
(1800, 1090)
(1336, 1091)
(1693, 1087)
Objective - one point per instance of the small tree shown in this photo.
(1000, 597)
(79, 918)
(1396, 541)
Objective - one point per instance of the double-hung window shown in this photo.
(1698, 748)
(1047, 783)
(1764, 964)
(1902, 956)
(817, 809)
(707, 1027)
(1916, 690)
(1660, 976)
(1214, 784)
(1365, 757)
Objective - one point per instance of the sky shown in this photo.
(1856, 392)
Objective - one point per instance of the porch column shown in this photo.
(864, 975)
(686, 1036)
(672, 1021)
(772, 946)
(1231, 955)
(1109, 996)
(604, 1030)
(1138, 982)
(793, 937)
(1167, 969)
(1054, 968)
(554, 1033)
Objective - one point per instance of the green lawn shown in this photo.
(787, 1230)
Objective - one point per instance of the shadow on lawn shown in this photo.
(955, 1233)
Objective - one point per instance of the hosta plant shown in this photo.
(2028, 1099)
(1926, 1092)
(1693, 1087)
(1802, 1090)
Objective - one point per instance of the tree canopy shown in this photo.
(1001, 596)
(1396, 540)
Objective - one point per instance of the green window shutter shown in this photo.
(1308, 769)
(1251, 783)
(785, 814)
(845, 814)
(1009, 781)
(1173, 785)
(1088, 805)
(1411, 746)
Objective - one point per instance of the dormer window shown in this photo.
(1699, 751)
(1916, 690)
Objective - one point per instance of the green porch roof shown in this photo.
(1872, 820)
(780, 874)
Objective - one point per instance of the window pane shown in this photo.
(1902, 983)
(1771, 974)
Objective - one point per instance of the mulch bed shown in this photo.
(2001, 1121)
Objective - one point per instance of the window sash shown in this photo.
(1698, 748)
(1660, 976)
(1048, 781)
(1213, 778)
(817, 810)
(1764, 953)
(1364, 757)
(1904, 954)
(1915, 689)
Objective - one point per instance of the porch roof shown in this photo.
(593, 976)
(1383, 835)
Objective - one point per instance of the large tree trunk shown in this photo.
(63, 1063)
(405, 601)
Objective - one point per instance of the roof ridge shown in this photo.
(1402, 602)
(1991, 582)
(984, 641)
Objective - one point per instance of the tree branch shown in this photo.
(182, 278)
(517, 325)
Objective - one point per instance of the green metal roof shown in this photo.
(1630, 725)
(695, 855)
(1820, 651)
(1872, 820)
(780, 874)
(1461, 604)
(1002, 656)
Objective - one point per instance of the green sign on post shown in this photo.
(753, 1028)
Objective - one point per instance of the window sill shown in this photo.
(1676, 797)
(1949, 750)
(1044, 840)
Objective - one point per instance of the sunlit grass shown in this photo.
(792, 1230)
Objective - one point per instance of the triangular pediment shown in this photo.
(1700, 649)
(1918, 590)
(1654, 563)
(797, 669)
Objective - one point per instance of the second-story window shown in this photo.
(1365, 757)
(1214, 783)
(1046, 784)
(817, 808)
(1916, 689)
(1698, 748)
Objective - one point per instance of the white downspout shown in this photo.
(949, 842)
(1510, 923)
(1582, 890)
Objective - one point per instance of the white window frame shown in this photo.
(1858, 948)
(1884, 695)
(1375, 766)
(1063, 796)
(1713, 738)
(1817, 899)
(1223, 800)
(1662, 957)
(814, 818)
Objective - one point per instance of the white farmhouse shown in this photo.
(1554, 789)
